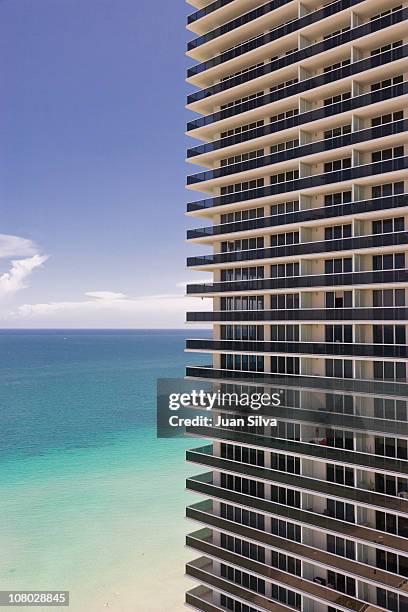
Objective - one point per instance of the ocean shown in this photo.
(90, 500)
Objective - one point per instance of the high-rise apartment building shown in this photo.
(304, 180)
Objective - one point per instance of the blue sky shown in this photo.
(92, 165)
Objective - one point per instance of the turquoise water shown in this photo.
(90, 500)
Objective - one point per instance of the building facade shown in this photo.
(302, 133)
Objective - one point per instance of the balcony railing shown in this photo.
(389, 313)
(313, 148)
(302, 54)
(207, 10)
(337, 108)
(204, 485)
(326, 11)
(302, 216)
(330, 349)
(377, 277)
(308, 182)
(384, 388)
(203, 513)
(306, 85)
(302, 248)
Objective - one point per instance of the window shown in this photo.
(289, 598)
(287, 497)
(250, 302)
(390, 485)
(336, 32)
(337, 164)
(250, 273)
(389, 118)
(285, 563)
(389, 334)
(242, 215)
(340, 510)
(237, 159)
(242, 547)
(282, 146)
(243, 71)
(285, 365)
(388, 12)
(341, 197)
(391, 523)
(284, 239)
(338, 131)
(243, 363)
(284, 270)
(246, 580)
(243, 454)
(285, 463)
(284, 177)
(339, 299)
(388, 297)
(387, 189)
(253, 96)
(285, 207)
(383, 49)
(337, 231)
(339, 368)
(341, 583)
(341, 547)
(391, 409)
(391, 261)
(284, 333)
(387, 83)
(340, 475)
(346, 95)
(286, 530)
(388, 370)
(237, 187)
(388, 226)
(337, 65)
(242, 128)
(339, 333)
(242, 245)
(246, 486)
(385, 154)
(242, 332)
(285, 301)
(243, 517)
(286, 115)
(338, 266)
(391, 447)
(284, 84)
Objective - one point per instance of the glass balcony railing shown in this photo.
(337, 108)
(376, 277)
(313, 148)
(331, 349)
(397, 313)
(326, 11)
(203, 512)
(302, 216)
(294, 250)
(204, 484)
(306, 85)
(382, 388)
(302, 54)
(207, 10)
(303, 183)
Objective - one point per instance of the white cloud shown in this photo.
(16, 278)
(111, 309)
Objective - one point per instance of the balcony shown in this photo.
(300, 55)
(347, 279)
(330, 349)
(313, 148)
(259, 194)
(203, 484)
(363, 497)
(202, 542)
(303, 315)
(201, 598)
(306, 450)
(317, 114)
(302, 216)
(393, 389)
(203, 512)
(305, 85)
(354, 244)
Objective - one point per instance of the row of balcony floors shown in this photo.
(303, 92)
(281, 21)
